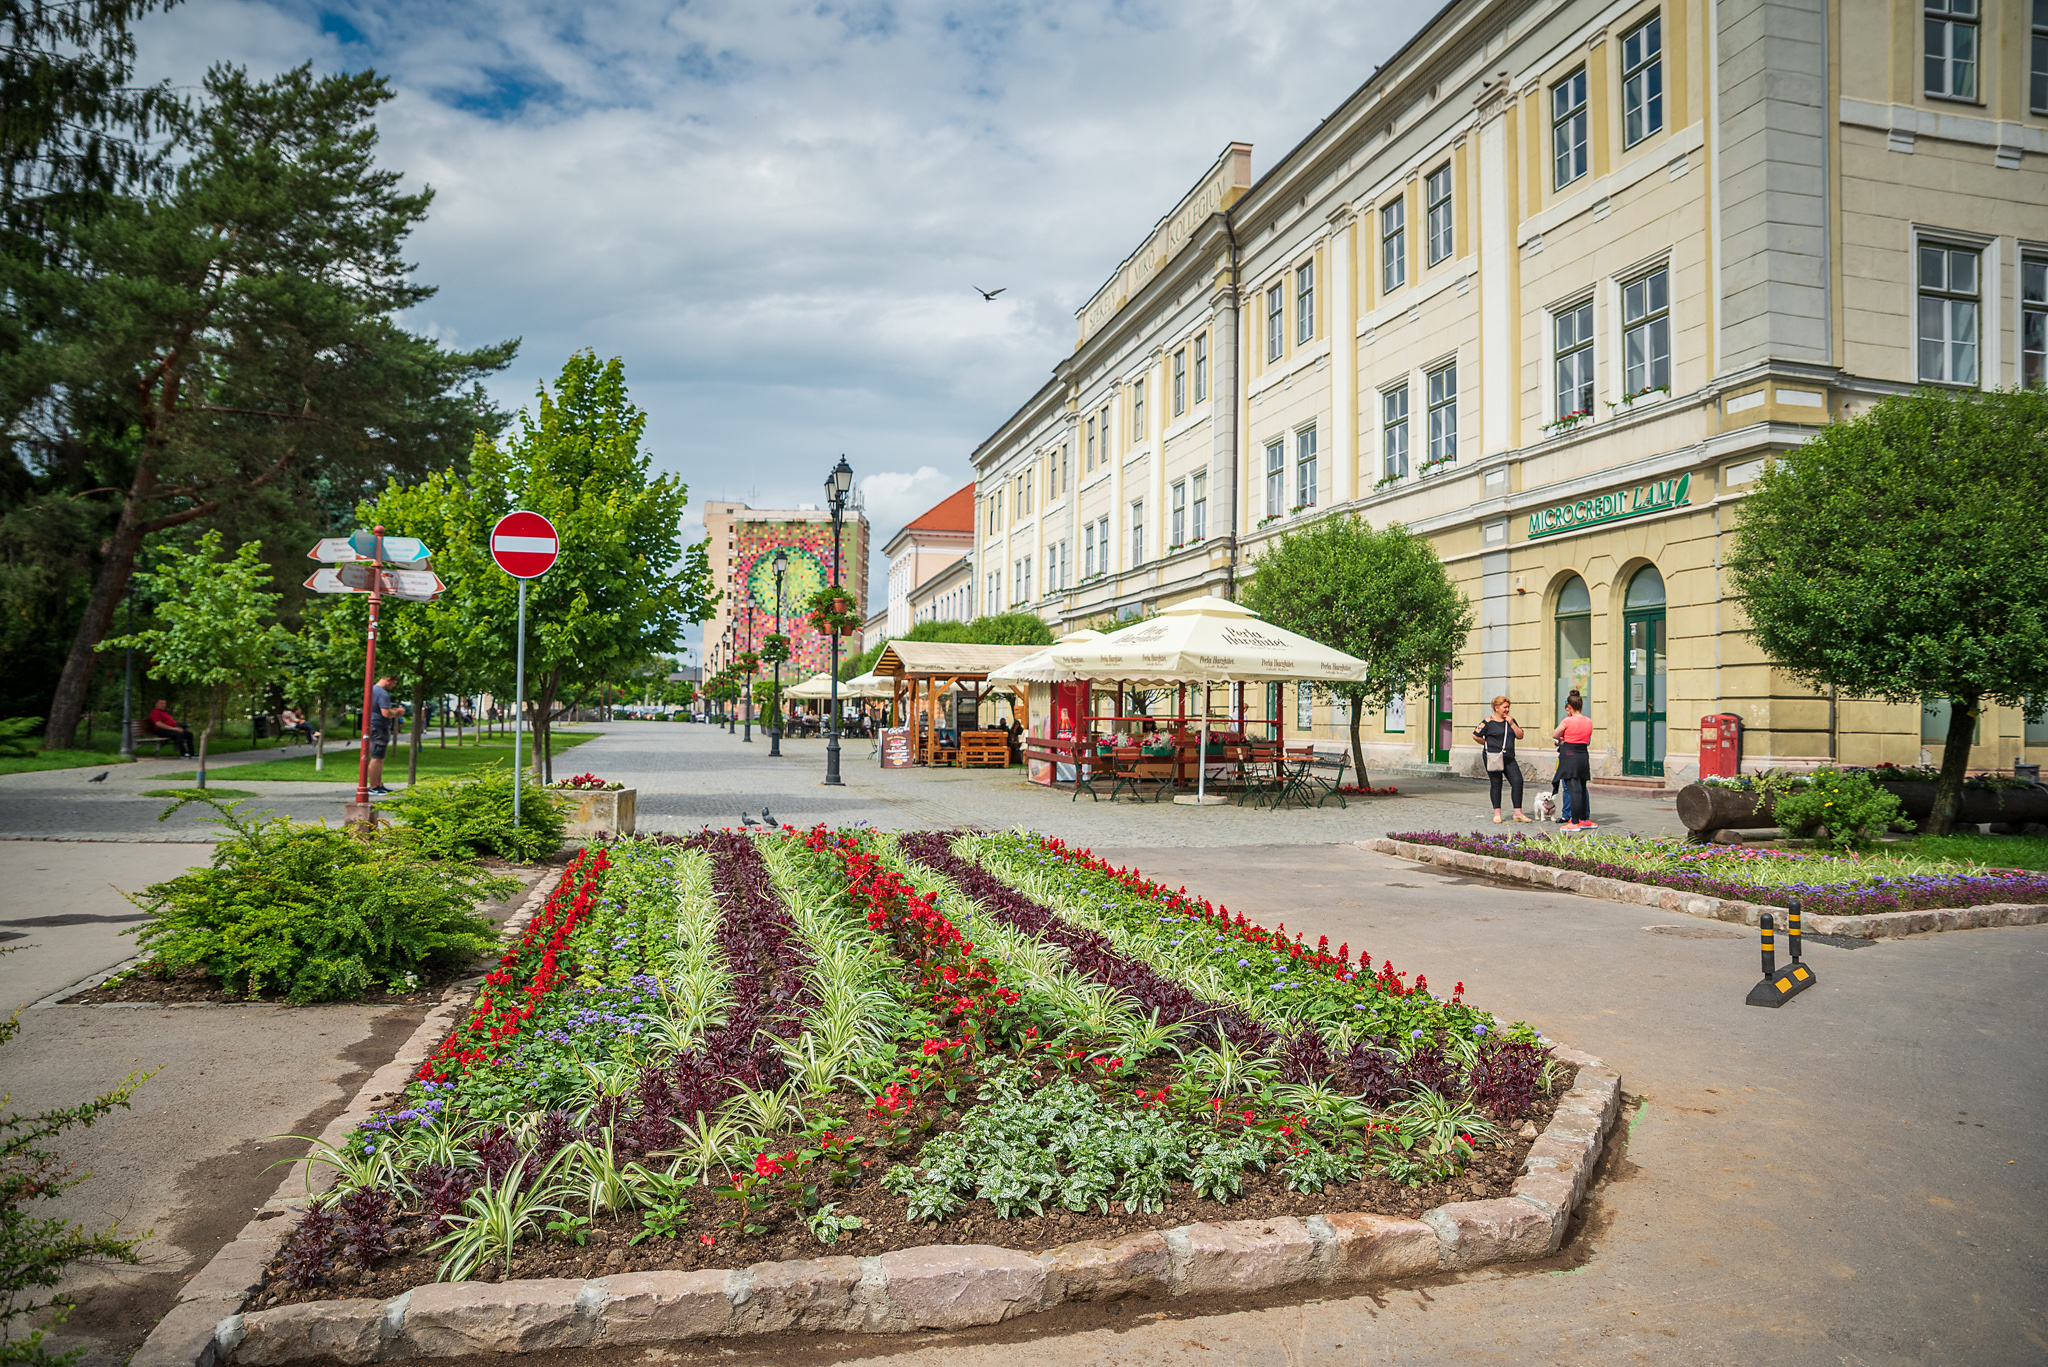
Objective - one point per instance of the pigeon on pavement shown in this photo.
(748, 821)
(100, 777)
(769, 819)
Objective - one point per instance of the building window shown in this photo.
(1179, 529)
(1934, 715)
(1137, 411)
(1642, 81)
(1952, 48)
(1137, 533)
(1102, 543)
(1304, 302)
(1105, 434)
(995, 593)
(1574, 645)
(1948, 314)
(1088, 550)
(1088, 462)
(1568, 129)
(1180, 382)
(1276, 478)
(2037, 65)
(1646, 333)
(1394, 245)
(1304, 706)
(1572, 330)
(1394, 431)
(1276, 312)
(1200, 530)
(1202, 355)
(2034, 312)
(1443, 414)
(1305, 468)
(1436, 223)
(1395, 719)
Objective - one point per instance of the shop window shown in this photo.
(1568, 129)
(2034, 729)
(1642, 81)
(1949, 291)
(1397, 714)
(1574, 644)
(1951, 56)
(1934, 715)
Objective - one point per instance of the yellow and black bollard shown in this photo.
(1797, 977)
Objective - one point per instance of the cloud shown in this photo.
(776, 212)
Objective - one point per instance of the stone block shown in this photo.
(1241, 1255)
(1475, 1233)
(1379, 1248)
(349, 1331)
(808, 1294)
(1554, 1193)
(1107, 1269)
(185, 1335)
(952, 1287)
(661, 1307)
(452, 1319)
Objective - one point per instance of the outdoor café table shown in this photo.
(1292, 775)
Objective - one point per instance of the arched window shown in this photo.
(1574, 644)
(1645, 590)
(1642, 619)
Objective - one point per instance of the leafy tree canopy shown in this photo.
(1382, 596)
(1898, 556)
(1003, 629)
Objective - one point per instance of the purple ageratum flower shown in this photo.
(1478, 1029)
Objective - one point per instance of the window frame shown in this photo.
(1439, 226)
(1138, 433)
(1137, 532)
(1440, 402)
(1276, 321)
(1305, 302)
(1201, 367)
(1581, 350)
(1393, 244)
(1180, 381)
(1976, 298)
(1088, 550)
(1391, 423)
(1177, 518)
(1654, 323)
(2033, 307)
(1952, 18)
(1199, 505)
(2037, 59)
(1643, 72)
(1276, 476)
(1575, 114)
(1089, 465)
(1307, 468)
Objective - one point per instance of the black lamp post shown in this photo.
(730, 710)
(838, 485)
(747, 676)
(775, 734)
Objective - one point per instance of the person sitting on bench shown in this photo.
(290, 723)
(162, 723)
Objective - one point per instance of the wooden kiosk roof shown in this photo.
(927, 659)
(924, 669)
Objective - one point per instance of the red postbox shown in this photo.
(1720, 745)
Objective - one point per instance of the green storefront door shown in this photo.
(1440, 721)
(1643, 730)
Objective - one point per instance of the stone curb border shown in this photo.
(1877, 925)
(940, 1286)
(185, 1336)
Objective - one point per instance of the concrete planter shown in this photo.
(591, 810)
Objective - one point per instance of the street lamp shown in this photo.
(775, 736)
(747, 675)
(838, 485)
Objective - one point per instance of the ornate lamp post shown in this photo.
(838, 485)
(775, 735)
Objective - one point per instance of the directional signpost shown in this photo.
(525, 546)
(358, 565)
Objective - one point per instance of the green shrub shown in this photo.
(462, 818)
(318, 912)
(1842, 811)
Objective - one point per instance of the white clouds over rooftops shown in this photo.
(776, 211)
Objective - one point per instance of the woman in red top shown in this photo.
(162, 723)
(1573, 736)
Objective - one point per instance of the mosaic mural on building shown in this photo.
(809, 569)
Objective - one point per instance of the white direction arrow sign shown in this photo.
(331, 581)
(396, 550)
(416, 586)
(334, 550)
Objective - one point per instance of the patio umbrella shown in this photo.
(819, 685)
(1204, 641)
(1039, 668)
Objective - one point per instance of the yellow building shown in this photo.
(1550, 288)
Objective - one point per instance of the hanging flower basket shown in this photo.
(832, 612)
(748, 663)
(775, 650)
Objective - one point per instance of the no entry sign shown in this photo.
(524, 545)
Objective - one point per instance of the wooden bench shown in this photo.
(985, 749)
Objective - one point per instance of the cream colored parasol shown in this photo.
(1039, 668)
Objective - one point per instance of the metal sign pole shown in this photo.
(360, 808)
(518, 703)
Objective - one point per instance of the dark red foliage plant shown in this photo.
(308, 1253)
(1506, 1077)
(366, 1226)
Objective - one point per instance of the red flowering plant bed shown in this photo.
(735, 1047)
(1355, 790)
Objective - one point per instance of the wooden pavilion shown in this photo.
(924, 671)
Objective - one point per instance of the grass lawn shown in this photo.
(435, 762)
(1985, 851)
(106, 749)
(209, 790)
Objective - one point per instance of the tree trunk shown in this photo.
(1357, 744)
(441, 700)
(1955, 761)
(61, 733)
(419, 722)
(214, 707)
(320, 738)
(543, 705)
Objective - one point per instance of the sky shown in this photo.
(778, 213)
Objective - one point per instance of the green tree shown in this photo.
(236, 333)
(214, 629)
(1003, 629)
(1382, 596)
(1898, 556)
(623, 588)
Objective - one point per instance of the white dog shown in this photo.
(1546, 807)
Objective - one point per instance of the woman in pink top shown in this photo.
(1573, 735)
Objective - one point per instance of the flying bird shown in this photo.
(100, 777)
(989, 294)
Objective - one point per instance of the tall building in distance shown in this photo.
(934, 542)
(742, 542)
(1551, 288)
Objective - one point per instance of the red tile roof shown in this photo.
(953, 514)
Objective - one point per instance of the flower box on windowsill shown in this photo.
(1435, 467)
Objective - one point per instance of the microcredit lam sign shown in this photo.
(1655, 497)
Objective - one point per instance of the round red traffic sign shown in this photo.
(524, 545)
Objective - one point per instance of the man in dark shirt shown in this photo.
(162, 723)
(384, 715)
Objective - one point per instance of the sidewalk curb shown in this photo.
(1876, 925)
(185, 1336)
(935, 1287)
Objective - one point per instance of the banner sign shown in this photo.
(896, 750)
(1655, 497)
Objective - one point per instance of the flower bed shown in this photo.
(1838, 885)
(730, 1048)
